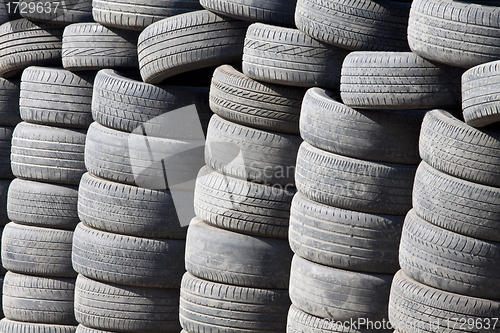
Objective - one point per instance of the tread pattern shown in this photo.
(91, 46)
(358, 185)
(290, 57)
(5, 151)
(398, 80)
(188, 42)
(57, 97)
(4, 187)
(62, 12)
(7, 325)
(9, 101)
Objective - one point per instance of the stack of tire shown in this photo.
(450, 243)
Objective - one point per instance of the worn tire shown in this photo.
(213, 307)
(389, 136)
(5, 151)
(353, 184)
(91, 46)
(240, 99)
(46, 153)
(44, 300)
(37, 251)
(188, 42)
(11, 326)
(128, 260)
(24, 43)
(338, 294)
(251, 154)
(42, 204)
(113, 307)
(65, 12)
(4, 188)
(457, 33)
(290, 57)
(398, 80)
(455, 148)
(56, 97)
(415, 307)
(356, 25)
(9, 102)
(227, 257)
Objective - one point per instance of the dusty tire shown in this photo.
(213, 307)
(9, 326)
(56, 97)
(9, 102)
(48, 153)
(5, 151)
(62, 12)
(42, 204)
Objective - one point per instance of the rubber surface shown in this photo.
(5, 151)
(9, 101)
(60, 12)
(20, 327)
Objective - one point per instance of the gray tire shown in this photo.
(213, 307)
(227, 257)
(112, 307)
(290, 57)
(11, 326)
(43, 205)
(47, 153)
(9, 102)
(5, 150)
(56, 97)
(37, 251)
(128, 260)
(188, 42)
(353, 184)
(398, 80)
(60, 12)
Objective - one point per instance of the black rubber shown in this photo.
(238, 98)
(458, 33)
(91, 46)
(46, 153)
(290, 57)
(227, 257)
(24, 43)
(377, 135)
(57, 97)
(451, 146)
(60, 12)
(118, 308)
(9, 101)
(128, 260)
(356, 25)
(5, 151)
(42, 204)
(7, 325)
(353, 184)
(4, 187)
(398, 80)
(213, 307)
(188, 42)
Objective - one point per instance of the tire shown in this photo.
(5, 150)
(43, 205)
(290, 57)
(336, 294)
(457, 205)
(138, 14)
(251, 154)
(213, 307)
(4, 187)
(415, 307)
(389, 136)
(128, 260)
(127, 105)
(456, 33)
(37, 251)
(112, 307)
(9, 101)
(63, 12)
(227, 257)
(56, 97)
(480, 94)
(240, 99)
(44, 300)
(91, 46)
(47, 153)
(9, 326)
(128, 210)
(142, 160)
(449, 145)
(398, 80)
(362, 25)
(188, 42)
(344, 239)
(240, 206)
(448, 261)
(353, 184)
(279, 12)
